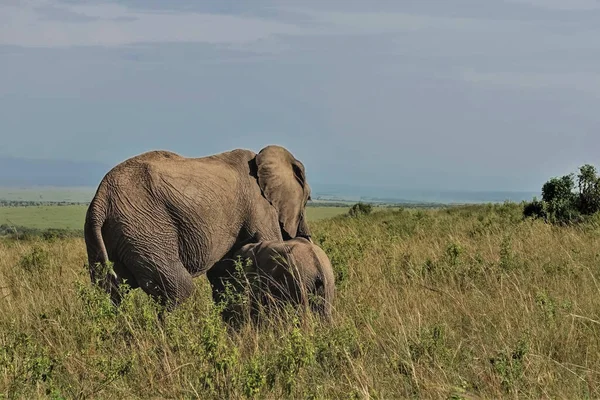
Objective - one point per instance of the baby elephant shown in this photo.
(296, 271)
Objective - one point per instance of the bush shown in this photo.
(561, 203)
(360, 209)
(535, 209)
(589, 190)
(36, 260)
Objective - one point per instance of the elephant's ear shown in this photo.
(282, 179)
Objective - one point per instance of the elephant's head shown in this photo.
(282, 180)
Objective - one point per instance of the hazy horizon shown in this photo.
(320, 193)
(468, 96)
(29, 173)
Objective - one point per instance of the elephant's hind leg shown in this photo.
(123, 276)
(171, 285)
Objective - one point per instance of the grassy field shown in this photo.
(73, 216)
(470, 302)
(49, 193)
(44, 217)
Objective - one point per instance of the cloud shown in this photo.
(589, 82)
(51, 24)
(53, 13)
(364, 92)
(566, 5)
(343, 22)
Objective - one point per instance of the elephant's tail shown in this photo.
(96, 249)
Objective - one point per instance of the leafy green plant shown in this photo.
(25, 362)
(510, 366)
(453, 252)
(36, 260)
(535, 209)
(335, 348)
(341, 251)
(297, 352)
(430, 344)
(254, 377)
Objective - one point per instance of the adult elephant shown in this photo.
(159, 219)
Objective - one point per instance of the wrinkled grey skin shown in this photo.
(162, 219)
(294, 271)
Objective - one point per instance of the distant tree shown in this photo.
(559, 189)
(360, 209)
(560, 200)
(589, 190)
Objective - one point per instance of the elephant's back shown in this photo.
(154, 157)
(161, 162)
(296, 251)
(129, 171)
(320, 254)
(316, 259)
(154, 168)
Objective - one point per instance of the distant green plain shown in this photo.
(48, 193)
(44, 217)
(72, 216)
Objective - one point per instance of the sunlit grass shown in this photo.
(462, 303)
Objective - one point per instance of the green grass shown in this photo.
(48, 193)
(462, 303)
(73, 216)
(44, 217)
(318, 213)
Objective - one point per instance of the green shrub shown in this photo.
(535, 209)
(296, 353)
(510, 366)
(36, 260)
(360, 209)
(340, 250)
(25, 364)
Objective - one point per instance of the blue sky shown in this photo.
(462, 94)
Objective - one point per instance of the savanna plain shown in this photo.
(448, 303)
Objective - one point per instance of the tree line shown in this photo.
(568, 199)
(29, 203)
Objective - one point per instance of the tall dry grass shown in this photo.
(469, 302)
